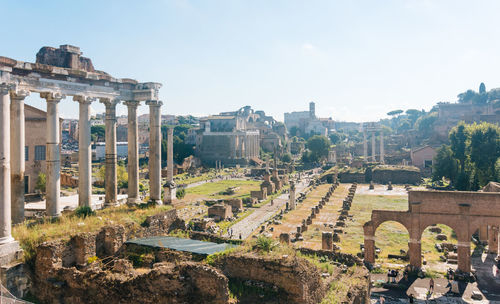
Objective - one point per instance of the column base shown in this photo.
(10, 252)
(110, 204)
(133, 201)
(157, 202)
(169, 194)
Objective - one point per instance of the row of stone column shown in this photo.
(12, 154)
(365, 146)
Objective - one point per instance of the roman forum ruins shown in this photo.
(464, 212)
(373, 129)
(57, 74)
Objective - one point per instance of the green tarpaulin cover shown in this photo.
(180, 244)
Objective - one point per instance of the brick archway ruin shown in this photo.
(464, 212)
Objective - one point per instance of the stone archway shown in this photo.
(464, 212)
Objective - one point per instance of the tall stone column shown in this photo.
(291, 204)
(133, 154)
(53, 161)
(373, 147)
(17, 154)
(170, 189)
(365, 147)
(382, 161)
(84, 152)
(155, 150)
(5, 185)
(110, 151)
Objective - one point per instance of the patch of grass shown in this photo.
(265, 244)
(84, 211)
(212, 190)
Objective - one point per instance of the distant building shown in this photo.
(423, 158)
(235, 137)
(121, 150)
(35, 149)
(306, 122)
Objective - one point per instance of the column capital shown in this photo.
(154, 103)
(109, 102)
(19, 94)
(5, 88)
(52, 96)
(132, 103)
(84, 99)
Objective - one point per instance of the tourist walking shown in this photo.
(431, 285)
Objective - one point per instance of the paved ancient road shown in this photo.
(259, 216)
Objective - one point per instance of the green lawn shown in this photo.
(212, 190)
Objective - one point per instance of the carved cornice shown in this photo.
(5, 88)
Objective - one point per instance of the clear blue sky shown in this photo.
(356, 59)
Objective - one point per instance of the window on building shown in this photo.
(428, 163)
(26, 153)
(39, 152)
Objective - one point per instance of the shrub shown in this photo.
(84, 211)
(264, 244)
(41, 182)
(181, 192)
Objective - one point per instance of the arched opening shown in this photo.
(391, 245)
(439, 245)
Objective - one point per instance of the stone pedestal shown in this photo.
(84, 152)
(285, 238)
(369, 255)
(155, 151)
(17, 154)
(53, 158)
(493, 240)
(292, 203)
(133, 154)
(327, 240)
(463, 253)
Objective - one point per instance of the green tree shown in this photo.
(286, 158)
(41, 182)
(484, 150)
(425, 124)
(395, 112)
(319, 146)
(444, 164)
(482, 88)
(97, 132)
(121, 175)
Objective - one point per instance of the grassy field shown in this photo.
(391, 237)
(212, 190)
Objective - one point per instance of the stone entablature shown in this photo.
(465, 212)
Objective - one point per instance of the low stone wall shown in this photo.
(342, 258)
(204, 236)
(299, 280)
(352, 177)
(396, 175)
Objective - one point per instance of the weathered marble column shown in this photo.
(53, 161)
(373, 147)
(463, 255)
(110, 151)
(170, 189)
(382, 147)
(365, 147)
(84, 152)
(17, 154)
(155, 150)
(133, 154)
(5, 186)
